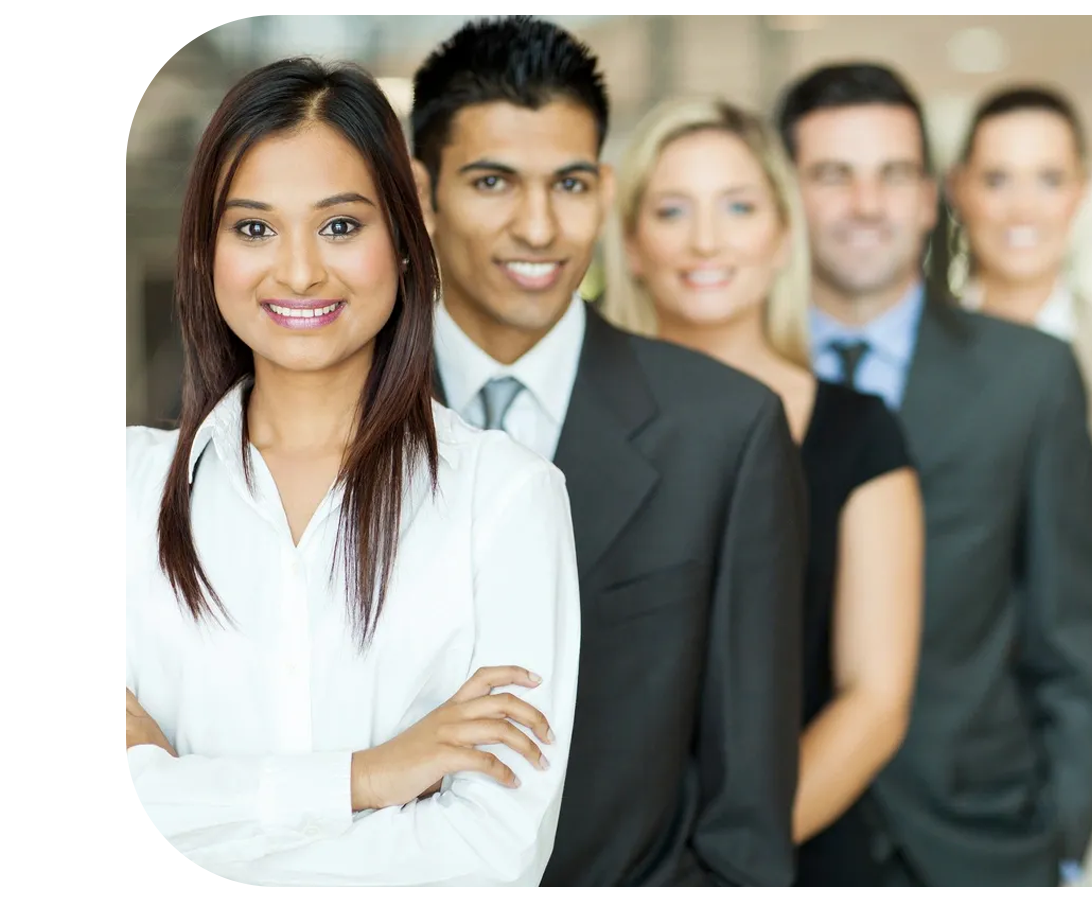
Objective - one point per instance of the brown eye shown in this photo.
(339, 228)
(253, 230)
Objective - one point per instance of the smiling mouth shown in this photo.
(303, 315)
(704, 279)
(532, 275)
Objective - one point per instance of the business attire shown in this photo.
(851, 440)
(688, 510)
(266, 713)
(1065, 315)
(993, 784)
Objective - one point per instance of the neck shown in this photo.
(308, 411)
(1019, 301)
(503, 342)
(739, 342)
(859, 308)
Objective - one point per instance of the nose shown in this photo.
(867, 198)
(535, 221)
(706, 233)
(300, 266)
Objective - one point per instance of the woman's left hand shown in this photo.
(140, 728)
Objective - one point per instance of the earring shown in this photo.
(405, 262)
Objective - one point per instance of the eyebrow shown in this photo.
(494, 166)
(347, 197)
(742, 188)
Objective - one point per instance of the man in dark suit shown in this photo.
(993, 784)
(685, 484)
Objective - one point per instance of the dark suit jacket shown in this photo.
(687, 496)
(993, 784)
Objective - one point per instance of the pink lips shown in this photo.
(294, 313)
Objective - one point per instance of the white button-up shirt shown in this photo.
(265, 713)
(547, 371)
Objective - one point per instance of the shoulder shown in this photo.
(1007, 344)
(490, 460)
(696, 384)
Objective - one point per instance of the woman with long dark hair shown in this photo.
(328, 573)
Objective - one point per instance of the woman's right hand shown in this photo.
(414, 763)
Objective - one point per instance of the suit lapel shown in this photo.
(941, 383)
(608, 478)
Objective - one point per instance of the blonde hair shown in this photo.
(626, 302)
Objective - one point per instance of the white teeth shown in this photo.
(1022, 236)
(531, 270)
(707, 276)
(303, 312)
(864, 237)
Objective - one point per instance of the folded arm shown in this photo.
(284, 820)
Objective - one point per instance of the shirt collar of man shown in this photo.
(891, 335)
(465, 367)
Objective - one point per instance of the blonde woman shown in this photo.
(1016, 189)
(707, 249)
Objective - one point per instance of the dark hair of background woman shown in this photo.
(394, 428)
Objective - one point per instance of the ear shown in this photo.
(424, 194)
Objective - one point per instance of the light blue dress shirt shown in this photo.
(891, 337)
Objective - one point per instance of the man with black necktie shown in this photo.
(993, 784)
(687, 493)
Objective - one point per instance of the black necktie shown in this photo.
(850, 353)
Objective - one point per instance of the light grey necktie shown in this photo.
(497, 397)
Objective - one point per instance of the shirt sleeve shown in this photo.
(287, 822)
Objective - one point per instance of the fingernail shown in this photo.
(543, 763)
(550, 737)
(535, 678)
(515, 782)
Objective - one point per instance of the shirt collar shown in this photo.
(224, 428)
(890, 335)
(1056, 316)
(544, 370)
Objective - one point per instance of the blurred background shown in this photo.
(952, 61)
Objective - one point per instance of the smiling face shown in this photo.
(304, 270)
(868, 200)
(1018, 194)
(520, 197)
(708, 240)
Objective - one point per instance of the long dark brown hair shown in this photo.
(394, 431)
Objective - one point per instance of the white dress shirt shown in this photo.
(547, 372)
(1057, 317)
(265, 714)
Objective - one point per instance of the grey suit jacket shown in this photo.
(687, 502)
(994, 781)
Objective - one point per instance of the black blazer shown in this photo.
(687, 500)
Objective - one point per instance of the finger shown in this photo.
(486, 679)
(490, 732)
(504, 704)
(463, 759)
(132, 706)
